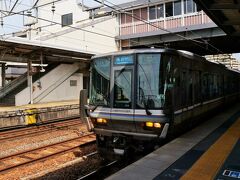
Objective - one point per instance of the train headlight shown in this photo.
(101, 121)
(153, 124)
(149, 124)
(157, 125)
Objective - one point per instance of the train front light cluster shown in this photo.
(153, 124)
(101, 121)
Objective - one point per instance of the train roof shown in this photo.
(153, 50)
(183, 53)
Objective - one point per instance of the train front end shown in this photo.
(128, 98)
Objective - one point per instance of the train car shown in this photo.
(140, 97)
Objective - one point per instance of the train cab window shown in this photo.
(100, 81)
(123, 88)
(150, 91)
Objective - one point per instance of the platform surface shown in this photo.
(39, 105)
(210, 151)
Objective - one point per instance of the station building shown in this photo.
(137, 24)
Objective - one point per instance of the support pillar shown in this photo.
(3, 75)
(30, 85)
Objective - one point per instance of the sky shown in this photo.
(15, 23)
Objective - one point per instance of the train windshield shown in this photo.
(150, 90)
(146, 76)
(99, 94)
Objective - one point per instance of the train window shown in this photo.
(190, 87)
(150, 91)
(215, 86)
(184, 87)
(123, 88)
(210, 83)
(197, 85)
(100, 81)
(205, 86)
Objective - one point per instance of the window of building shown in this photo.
(67, 19)
(152, 12)
(123, 18)
(73, 82)
(160, 13)
(169, 9)
(177, 8)
(156, 12)
(189, 6)
(136, 15)
(129, 17)
(144, 14)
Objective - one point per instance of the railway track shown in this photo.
(30, 131)
(42, 153)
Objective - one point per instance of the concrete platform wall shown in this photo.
(19, 117)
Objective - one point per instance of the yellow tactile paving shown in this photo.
(40, 105)
(211, 161)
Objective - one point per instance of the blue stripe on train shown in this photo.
(127, 115)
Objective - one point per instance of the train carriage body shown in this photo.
(141, 96)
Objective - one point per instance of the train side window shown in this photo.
(205, 86)
(190, 87)
(184, 89)
(211, 86)
(196, 87)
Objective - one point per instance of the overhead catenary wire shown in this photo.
(77, 28)
(34, 6)
(14, 5)
(121, 10)
(65, 36)
(57, 23)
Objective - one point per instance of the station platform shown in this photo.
(39, 105)
(15, 116)
(210, 151)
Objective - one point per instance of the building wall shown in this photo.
(226, 59)
(156, 14)
(80, 35)
(65, 91)
(54, 86)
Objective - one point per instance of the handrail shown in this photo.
(12, 85)
(18, 81)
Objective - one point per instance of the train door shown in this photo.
(122, 96)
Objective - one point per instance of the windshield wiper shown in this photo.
(146, 109)
(91, 107)
(144, 103)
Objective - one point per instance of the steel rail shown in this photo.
(28, 160)
(50, 121)
(35, 131)
(35, 126)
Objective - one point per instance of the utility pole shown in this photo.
(30, 85)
